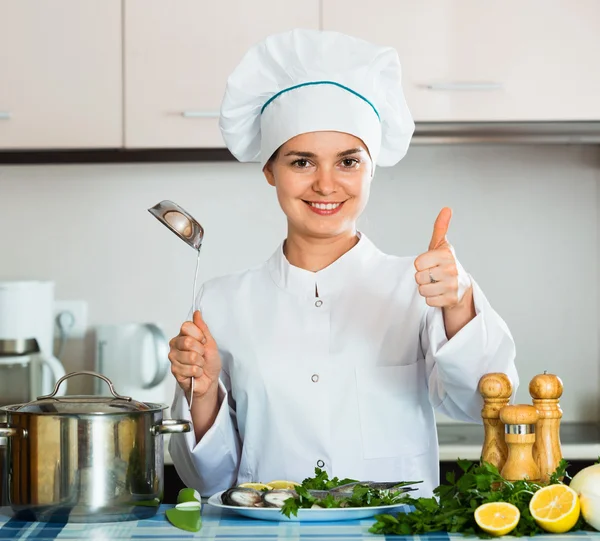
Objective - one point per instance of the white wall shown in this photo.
(525, 225)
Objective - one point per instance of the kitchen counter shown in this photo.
(219, 525)
(579, 441)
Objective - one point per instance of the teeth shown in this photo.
(325, 206)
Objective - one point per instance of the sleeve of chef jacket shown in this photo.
(211, 464)
(455, 366)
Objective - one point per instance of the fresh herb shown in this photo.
(321, 481)
(362, 495)
(453, 506)
(560, 473)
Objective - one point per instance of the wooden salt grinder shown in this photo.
(546, 389)
(519, 434)
(495, 388)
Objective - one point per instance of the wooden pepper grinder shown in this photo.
(496, 389)
(546, 389)
(519, 434)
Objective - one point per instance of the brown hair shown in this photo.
(273, 157)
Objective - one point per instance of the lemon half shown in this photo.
(497, 518)
(555, 508)
(256, 486)
(283, 485)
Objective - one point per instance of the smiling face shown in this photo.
(322, 181)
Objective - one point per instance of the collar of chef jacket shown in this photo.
(328, 281)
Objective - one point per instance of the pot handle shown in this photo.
(171, 426)
(8, 431)
(85, 373)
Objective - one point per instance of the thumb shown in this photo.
(440, 228)
(199, 322)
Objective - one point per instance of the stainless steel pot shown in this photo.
(86, 458)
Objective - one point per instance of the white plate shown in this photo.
(307, 515)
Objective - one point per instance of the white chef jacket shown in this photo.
(347, 380)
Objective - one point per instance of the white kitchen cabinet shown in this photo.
(498, 60)
(60, 74)
(178, 56)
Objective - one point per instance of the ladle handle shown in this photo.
(85, 373)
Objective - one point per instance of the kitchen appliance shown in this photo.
(86, 458)
(28, 367)
(187, 229)
(135, 357)
(3, 469)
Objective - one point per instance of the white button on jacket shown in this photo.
(382, 360)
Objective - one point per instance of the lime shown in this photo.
(185, 516)
(188, 495)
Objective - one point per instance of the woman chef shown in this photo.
(331, 353)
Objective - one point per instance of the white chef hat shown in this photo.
(308, 80)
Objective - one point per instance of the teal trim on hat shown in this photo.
(319, 83)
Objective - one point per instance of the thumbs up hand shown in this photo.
(440, 277)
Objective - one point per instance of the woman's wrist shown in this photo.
(457, 316)
(205, 409)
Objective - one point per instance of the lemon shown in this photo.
(555, 508)
(283, 485)
(497, 518)
(256, 486)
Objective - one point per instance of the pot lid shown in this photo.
(83, 404)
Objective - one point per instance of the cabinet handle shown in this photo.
(465, 86)
(200, 114)
(4, 115)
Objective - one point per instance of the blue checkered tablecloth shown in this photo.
(217, 526)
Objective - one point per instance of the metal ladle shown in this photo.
(187, 229)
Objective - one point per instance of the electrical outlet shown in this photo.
(73, 314)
